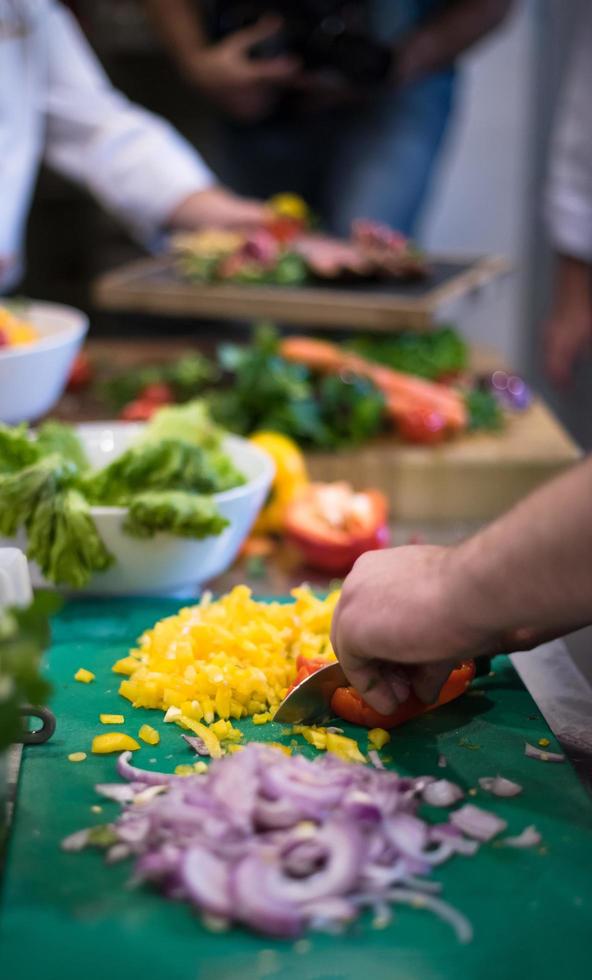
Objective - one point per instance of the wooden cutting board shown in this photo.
(70, 916)
(155, 286)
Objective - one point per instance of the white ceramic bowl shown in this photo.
(33, 377)
(166, 564)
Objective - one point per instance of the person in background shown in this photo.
(57, 106)
(406, 616)
(353, 146)
(568, 334)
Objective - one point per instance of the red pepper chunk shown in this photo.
(348, 704)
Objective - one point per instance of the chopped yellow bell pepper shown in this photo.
(544, 742)
(289, 205)
(343, 747)
(113, 742)
(84, 676)
(149, 735)
(281, 748)
(111, 719)
(77, 756)
(127, 665)
(378, 737)
(262, 718)
(184, 770)
(210, 741)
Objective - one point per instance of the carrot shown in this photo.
(403, 392)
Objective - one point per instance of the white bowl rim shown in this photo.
(265, 477)
(76, 327)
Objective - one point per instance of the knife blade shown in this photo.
(310, 702)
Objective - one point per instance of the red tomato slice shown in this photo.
(348, 704)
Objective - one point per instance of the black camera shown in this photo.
(324, 34)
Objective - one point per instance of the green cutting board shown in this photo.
(71, 917)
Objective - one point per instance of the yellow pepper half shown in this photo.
(290, 206)
(290, 478)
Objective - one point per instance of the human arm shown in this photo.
(223, 71)
(569, 210)
(440, 39)
(136, 164)
(412, 612)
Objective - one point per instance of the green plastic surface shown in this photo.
(71, 917)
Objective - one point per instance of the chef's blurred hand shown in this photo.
(568, 332)
(243, 87)
(220, 208)
(399, 626)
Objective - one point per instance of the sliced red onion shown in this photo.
(76, 841)
(129, 772)
(207, 881)
(281, 843)
(197, 744)
(444, 911)
(448, 834)
(118, 852)
(477, 823)
(529, 837)
(120, 792)
(533, 752)
(375, 759)
(442, 793)
(499, 786)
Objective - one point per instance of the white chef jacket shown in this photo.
(57, 105)
(569, 188)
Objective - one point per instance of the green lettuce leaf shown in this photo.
(56, 437)
(64, 541)
(16, 448)
(22, 492)
(190, 423)
(162, 466)
(186, 515)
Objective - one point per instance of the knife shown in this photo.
(310, 701)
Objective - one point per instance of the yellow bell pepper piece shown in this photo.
(317, 737)
(263, 718)
(149, 735)
(281, 748)
(111, 719)
(113, 742)
(77, 756)
(290, 477)
(211, 742)
(343, 747)
(84, 676)
(127, 665)
(184, 770)
(378, 737)
(290, 206)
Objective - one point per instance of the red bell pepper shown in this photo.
(348, 704)
(332, 525)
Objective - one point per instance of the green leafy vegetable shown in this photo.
(166, 465)
(16, 448)
(55, 437)
(24, 633)
(484, 411)
(64, 541)
(191, 423)
(352, 410)
(435, 355)
(268, 392)
(186, 377)
(187, 515)
(22, 492)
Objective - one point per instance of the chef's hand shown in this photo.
(399, 625)
(243, 87)
(568, 332)
(219, 208)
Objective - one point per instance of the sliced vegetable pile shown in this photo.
(282, 844)
(165, 480)
(232, 658)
